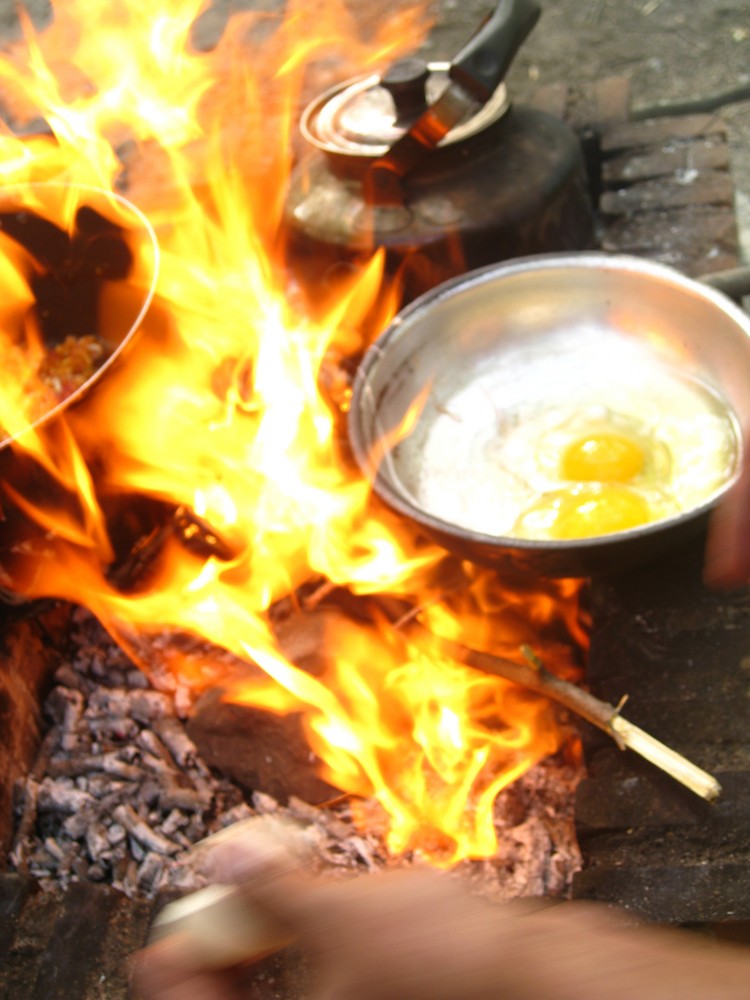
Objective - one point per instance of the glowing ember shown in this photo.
(229, 406)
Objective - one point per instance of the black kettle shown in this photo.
(433, 163)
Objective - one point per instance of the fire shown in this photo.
(228, 407)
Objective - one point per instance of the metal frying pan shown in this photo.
(477, 358)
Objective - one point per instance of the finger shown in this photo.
(255, 853)
(251, 909)
(270, 863)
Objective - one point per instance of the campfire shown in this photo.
(220, 434)
(196, 497)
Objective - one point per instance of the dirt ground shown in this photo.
(673, 50)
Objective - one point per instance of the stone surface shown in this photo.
(30, 639)
(680, 652)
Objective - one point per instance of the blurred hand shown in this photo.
(420, 935)
(727, 561)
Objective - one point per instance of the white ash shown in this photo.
(119, 794)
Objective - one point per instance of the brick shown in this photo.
(680, 158)
(660, 131)
(631, 801)
(582, 108)
(644, 797)
(14, 891)
(32, 638)
(696, 239)
(124, 933)
(552, 98)
(682, 652)
(71, 959)
(709, 187)
(33, 926)
(612, 100)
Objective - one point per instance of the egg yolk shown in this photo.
(603, 456)
(585, 513)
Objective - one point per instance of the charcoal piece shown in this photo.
(258, 750)
(72, 267)
(47, 243)
(99, 247)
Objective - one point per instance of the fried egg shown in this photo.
(618, 457)
(583, 512)
(603, 470)
(602, 455)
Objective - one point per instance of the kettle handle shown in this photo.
(482, 64)
(474, 75)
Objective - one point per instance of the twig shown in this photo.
(535, 676)
(701, 104)
(323, 590)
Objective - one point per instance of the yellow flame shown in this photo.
(229, 406)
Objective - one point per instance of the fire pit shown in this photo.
(212, 493)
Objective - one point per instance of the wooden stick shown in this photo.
(532, 674)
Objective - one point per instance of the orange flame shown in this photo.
(228, 405)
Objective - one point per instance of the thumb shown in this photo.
(269, 860)
(253, 907)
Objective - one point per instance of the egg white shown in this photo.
(480, 466)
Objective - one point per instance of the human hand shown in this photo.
(370, 937)
(421, 935)
(727, 557)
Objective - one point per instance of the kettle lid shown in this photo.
(363, 117)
